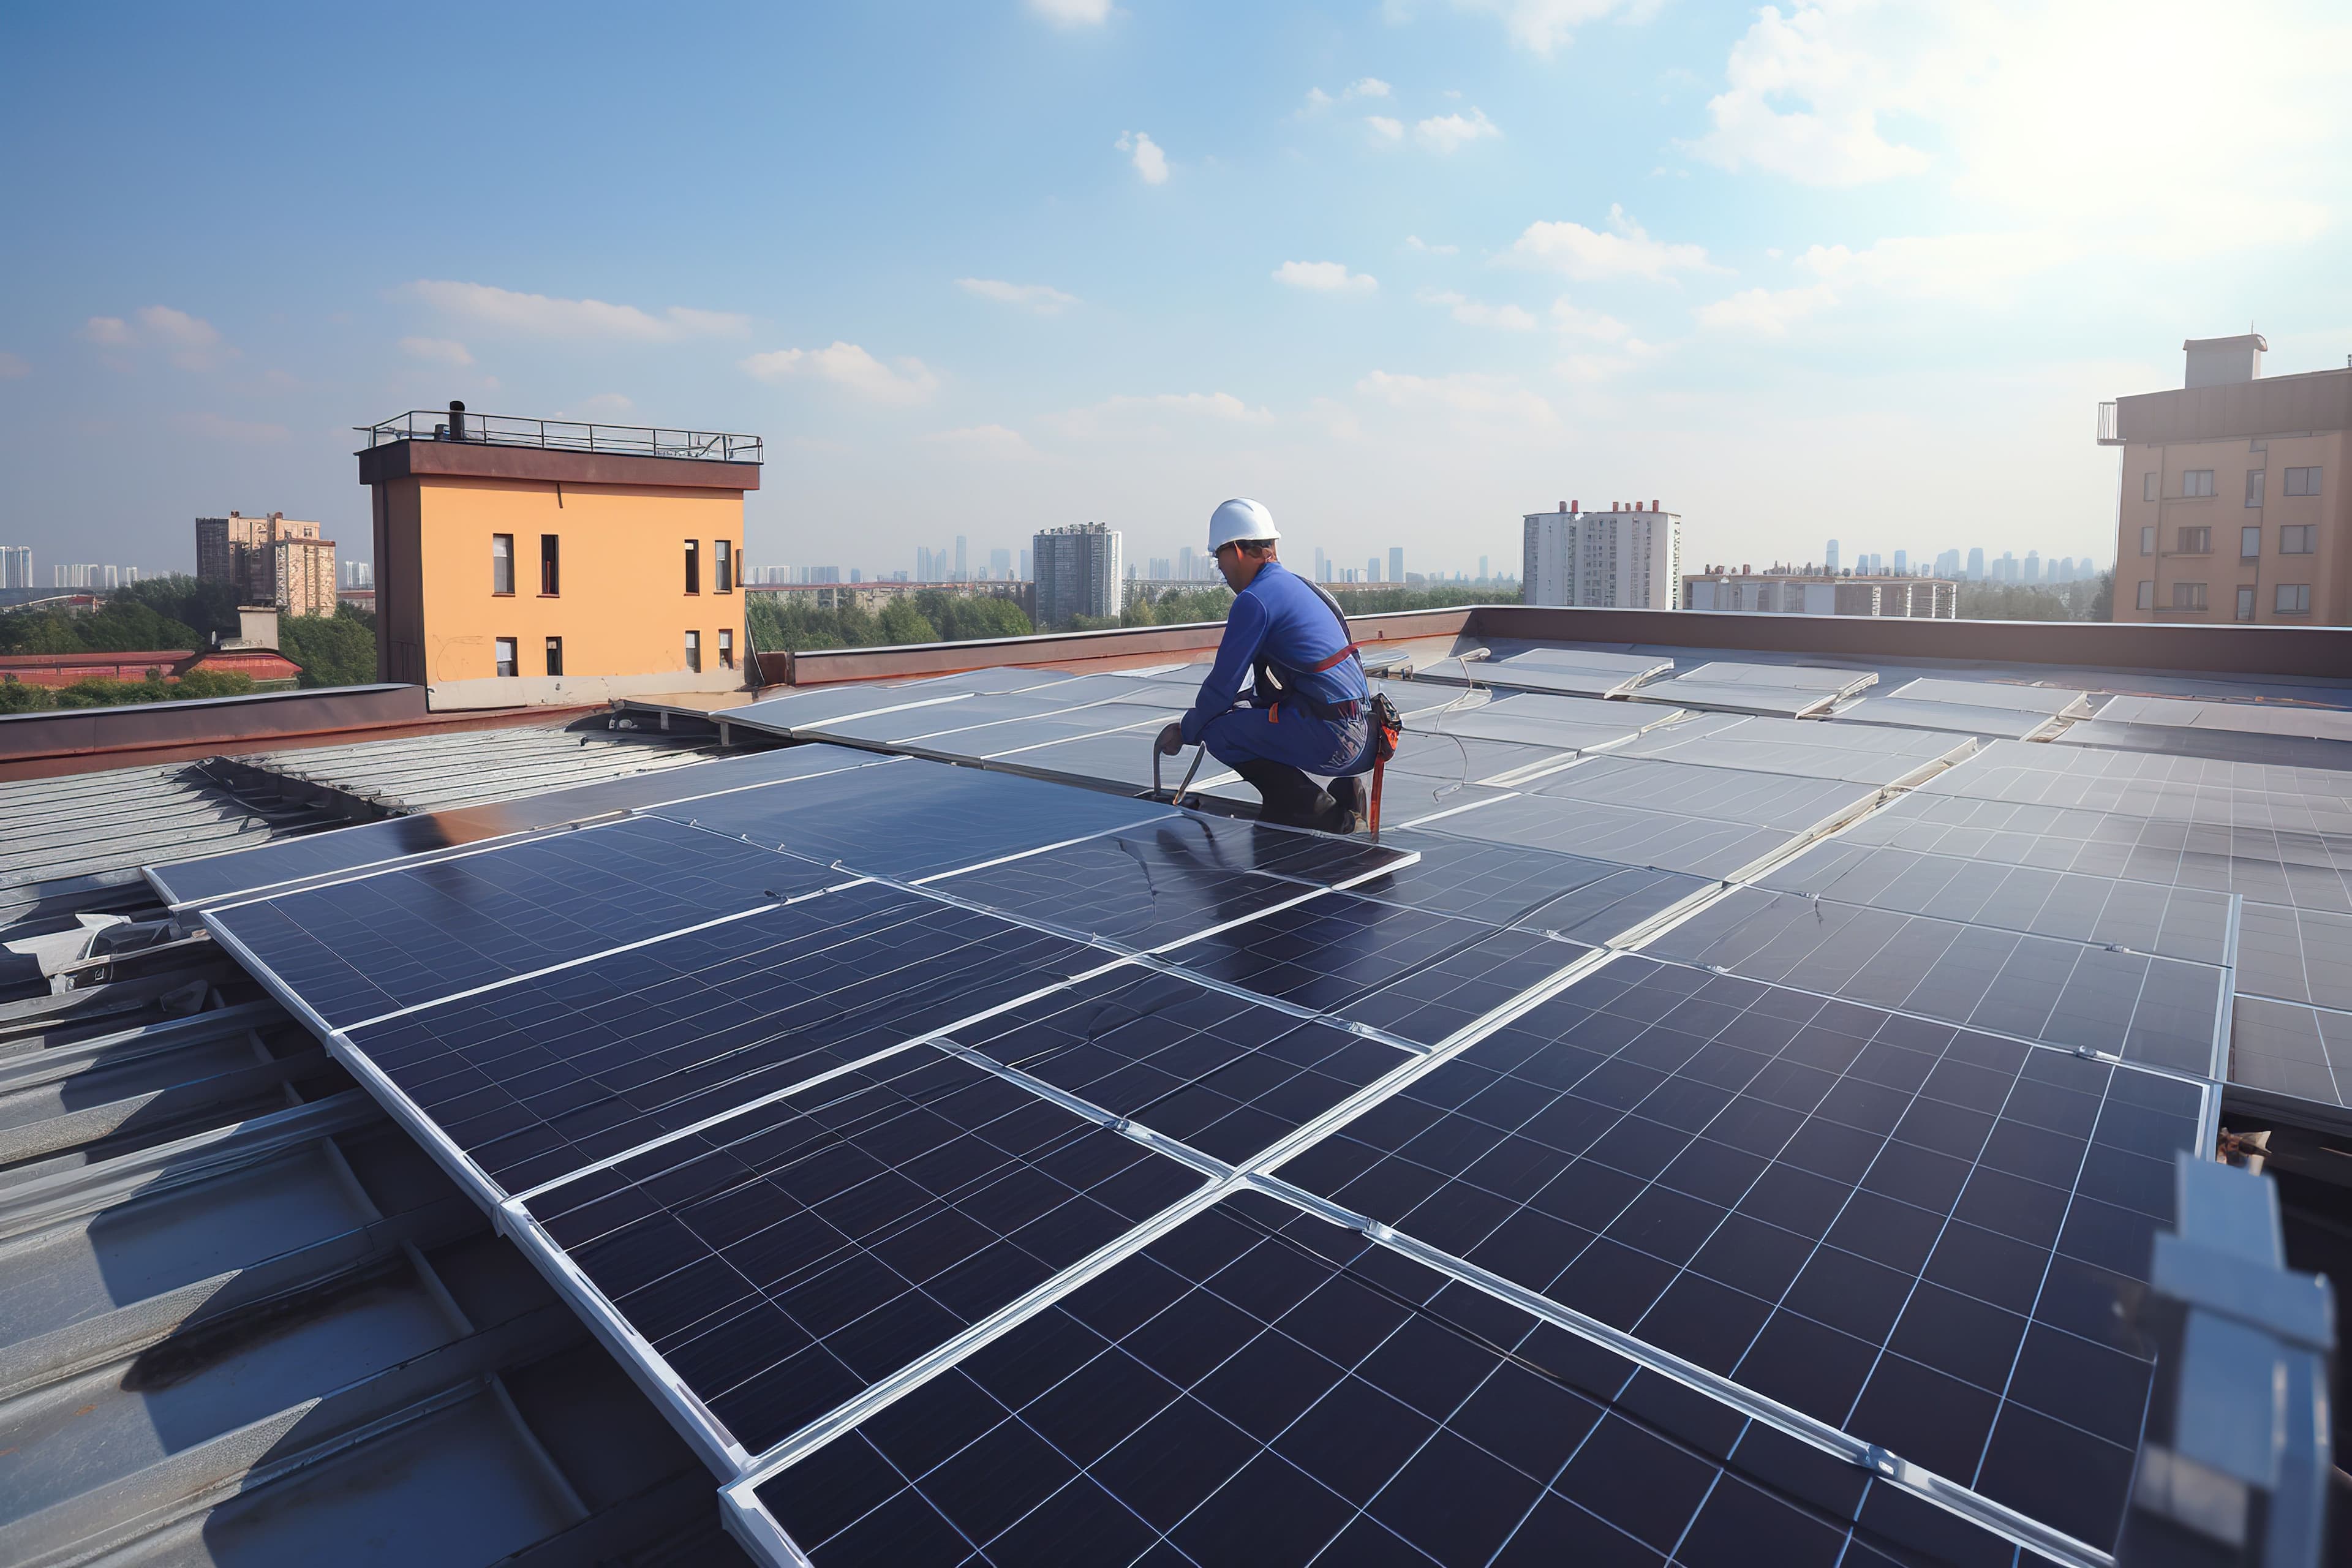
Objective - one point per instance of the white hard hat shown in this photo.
(1240, 520)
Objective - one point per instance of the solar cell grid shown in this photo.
(2295, 955)
(1721, 794)
(2175, 922)
(2300, 721)
(220, 877)
(792, 1255)
(1626, 835)
(2286, 1048)
(2185, 744)
(1121, 758)
(1953, 718)
(975, 716)
(1256, 1387)
(1782, 677)
(1170, 878)
(1412, 973)
(1731, 697)
(2160, 1012)
(1917, 1234)
(1591, 900)
(1499, 721)
(1227, 1076)
(540, 1078)
(909, 821)
(2048, 700)
(408, 935)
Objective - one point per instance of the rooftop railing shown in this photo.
(562, 436)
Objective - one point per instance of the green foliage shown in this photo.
(1150, 606)
(333, 650)
(207, 607)
(901, 623)
(930, 616)
(17, 697)
(2030, 602)
(199, 683)
(22, 697)
(2103, 601)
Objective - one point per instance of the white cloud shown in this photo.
(1150, 161)
(1368, 87)
(989, 441)
(437, 350)
(1474, 313)
(14, 367)
(544, 316)
(1767, 312)
(1318, 100)
(1588, 255)
(1451, 133)
(1463, 393)
(1383, 128)
(905, 381)
(112, 332)
(193, 342)
(1072, 13)
(1836, 138)
(243, 433)
(1414, 242)
(1325, 278)
(1582, 323)
(1162, 415)
(1543, 26)
(1037, 297)
(1980, 267)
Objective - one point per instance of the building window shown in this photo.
(555, 656)
(2148, 539)
(2147, 482)
(2301, 539)
(694, 652)
(2303, 481)
(2293, 599)
(550, 577)
(722, 566)
(2197, 482)
(2254, 487)
(2196, 542)
(2250, 542)
(2188, 596)
(726, 648)
(2148, 596)
(2245, 603)
(502, 563)
(506, 656)
(693, 566)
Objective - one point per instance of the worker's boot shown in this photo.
(1290, 797)
(1350, 795)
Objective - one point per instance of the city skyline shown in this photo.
(1366, 284)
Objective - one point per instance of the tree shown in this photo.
(21, 697)
(2103, 601)
(901, 623)
(333, 650)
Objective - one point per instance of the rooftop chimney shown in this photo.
(1653, 503)
(2220, 362)
(456, 421)
(1579, 505)
(1563, 506)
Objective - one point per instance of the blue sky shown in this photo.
(1402, 271)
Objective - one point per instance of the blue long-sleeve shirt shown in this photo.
(1279, 618)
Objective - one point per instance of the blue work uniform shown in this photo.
(1318, 721)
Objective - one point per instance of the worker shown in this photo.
(1308, 709)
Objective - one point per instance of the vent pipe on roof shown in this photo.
(1653, 503)
(1579, 505)
(456, 421)
(1563, 506)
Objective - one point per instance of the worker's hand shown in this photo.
(1171, 740)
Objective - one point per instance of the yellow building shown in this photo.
(525, 561)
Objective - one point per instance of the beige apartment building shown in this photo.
(2234, 505)
(246, 551)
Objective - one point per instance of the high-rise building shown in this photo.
(1830, 558)
(1187, 568)
(1482, 569)
(962, 571)
(1078, 572)
(1372, 569)
(2235, 502)
(1396, 564)
(1024, 566)
(15, 565)
(302, 573)
(1629, 557)
(1975, 564)
(242, 551)
(1322, 567)
(1902, 563)
(1948, 564)
(1000, 564)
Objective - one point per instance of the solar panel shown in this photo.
(1631, 836)
(2295, 955)
(2294, 720)
(778, 1262)
(1724, 795)
(1860, 754)
(287, 861)
(1560, 671)
(2050, 701)
(2282, 1048)
(2221, 793)
(1259, 1386)
(972, 714)
(1593, 901)
(1227, 1076)
(2236, 745)
(1502, 719)
(910, 822)
(542, 1077)
(406, 935)
(2175, 922)
(1920, 1235)
(2159, 1012)
(1959, 718)
(1410, 973)
(1782, 677)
